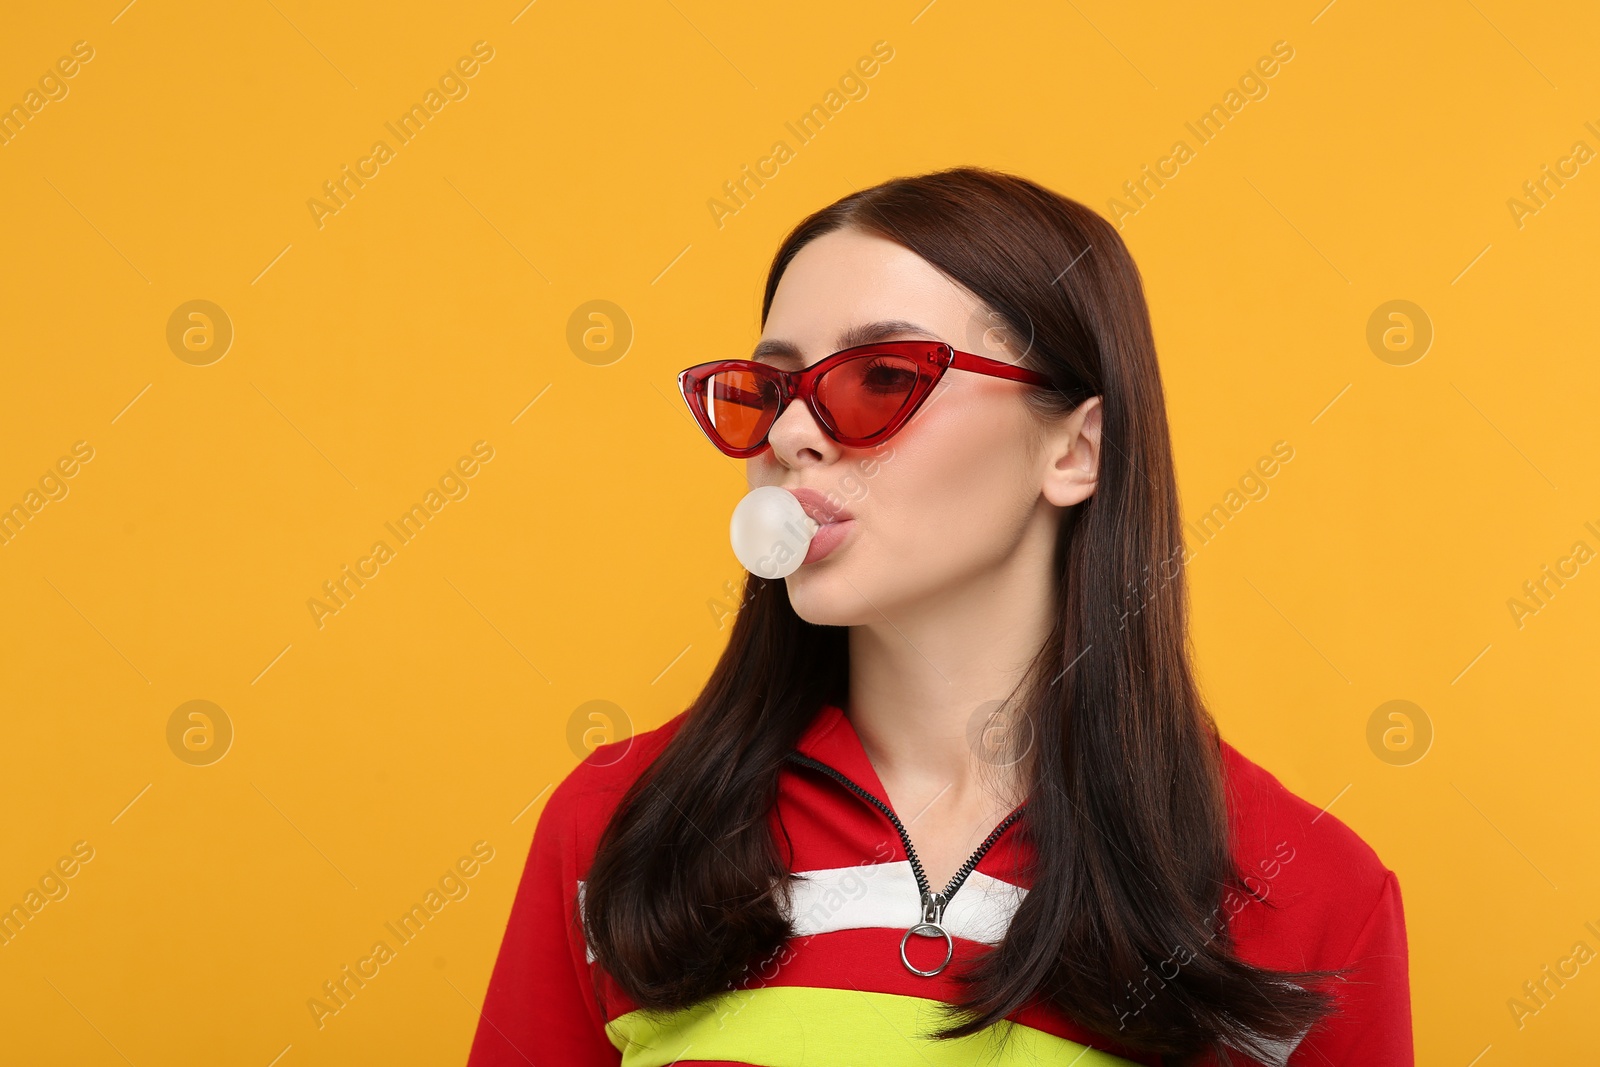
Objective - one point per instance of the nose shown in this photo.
(797, 440)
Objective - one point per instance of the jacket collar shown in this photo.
(830, 738)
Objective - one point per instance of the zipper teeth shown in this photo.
(905, 838)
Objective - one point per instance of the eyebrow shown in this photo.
(861, 334)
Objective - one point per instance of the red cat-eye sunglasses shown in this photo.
(860, 397)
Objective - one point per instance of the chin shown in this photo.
(824, 598)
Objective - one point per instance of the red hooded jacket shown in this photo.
(839, 993)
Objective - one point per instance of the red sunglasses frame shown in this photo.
(932, 359)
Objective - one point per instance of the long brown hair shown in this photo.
(1127, 814)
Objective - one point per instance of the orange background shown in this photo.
(446, 302)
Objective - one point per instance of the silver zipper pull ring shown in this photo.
(933, 904)
(932, 925)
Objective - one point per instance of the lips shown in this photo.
(828, 538)
(815, 504)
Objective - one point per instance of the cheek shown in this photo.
(957, 488)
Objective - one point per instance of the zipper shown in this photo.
(933, 904)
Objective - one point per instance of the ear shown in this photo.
(1072, 455)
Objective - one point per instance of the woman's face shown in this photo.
(971, 481)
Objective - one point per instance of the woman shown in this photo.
(971, 706)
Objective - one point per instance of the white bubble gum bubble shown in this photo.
(770, 532)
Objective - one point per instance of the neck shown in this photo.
(927, 682)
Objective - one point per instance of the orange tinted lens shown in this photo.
(863, 395)
(740, 406)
